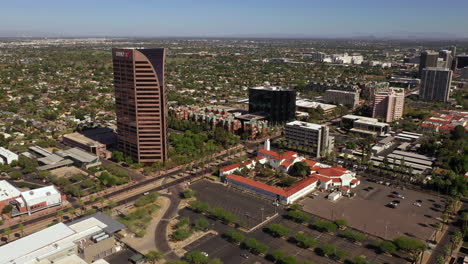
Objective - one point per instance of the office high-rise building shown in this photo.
(435, 84)
(279, 104)
(428, 59)
(389, 104)
(315, 138)
(141, 103)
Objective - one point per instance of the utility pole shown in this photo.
(261, 209)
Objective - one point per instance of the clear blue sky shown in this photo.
(332, 18)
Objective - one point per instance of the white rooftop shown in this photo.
(17, 249)
(8, 191)
(39, 192)
(8, 155)
(270, 88)
(311, 104)
(305, 125)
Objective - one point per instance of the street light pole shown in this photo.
(261, 209)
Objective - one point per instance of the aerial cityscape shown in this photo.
(211, 132)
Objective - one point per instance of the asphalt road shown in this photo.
(129, 199)
(161, 235)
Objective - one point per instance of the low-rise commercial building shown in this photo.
(445, 121)
(314, 138)
(365, 125)
(31, 201)
(90, 238)
(322, 176)
(81, 141)
(6, 156)
(306, 105)
(62, 158)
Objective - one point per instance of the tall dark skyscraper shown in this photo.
(277, 103)
(435, 84)
(428, 59)
(141, 103)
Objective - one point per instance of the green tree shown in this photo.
(299, 169)
(201, 224)
(117, 156)
(341, 222)
(409, 244)
(298, 216)
(278, 230)
(196, 257)
(154, 256)
(304, 241)
(234, 236)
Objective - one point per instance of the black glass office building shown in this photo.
(278, 104)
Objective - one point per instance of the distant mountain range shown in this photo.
(362, 36)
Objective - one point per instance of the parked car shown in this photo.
(401, 196)
(246, 256)
(417, 204)
(204, 254)
(392, 196)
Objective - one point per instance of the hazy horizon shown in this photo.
(237, 19)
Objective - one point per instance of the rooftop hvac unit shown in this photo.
(101, 238)
(98, 235)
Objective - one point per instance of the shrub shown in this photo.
(146, 199)
(181, 234)
(298, 216)
(341, 222)
(234, 236)
(359, 260)
(386, 246)
(188, 193)
(183, 222)
(340, 254)
(276, 255)
(327, 249)
(7, 209)
(278, 230)
(325, 226)
(196, 257)
(409, 244)
(199, 206)
(201, 224)
(304, 241)
(353, 237)
(254, 246)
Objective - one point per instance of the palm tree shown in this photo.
(7, 232)
(21, 229)
(456, 239)
(437, 226)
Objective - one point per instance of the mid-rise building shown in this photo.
(141, 103)
(428, 59)
(278, 104)
(389, 105)
(342, 97)
(435, 84)
(80, 141)
(314, 138)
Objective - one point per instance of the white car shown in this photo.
(204, 254)
(417, 204)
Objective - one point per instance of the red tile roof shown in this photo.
(289, 155)
(259, 185)
(286, 163)
(332, 172)
(283, 192)
(230, 167)
(337, 180)
(354, 181)
(311, 163)
(267, 152)
(300, 185)
(321, 178)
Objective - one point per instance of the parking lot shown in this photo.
(217, 247)
(370, 213)
(249, 208)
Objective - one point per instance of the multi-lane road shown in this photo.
(138, 188)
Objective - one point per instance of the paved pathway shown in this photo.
(161, 235)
